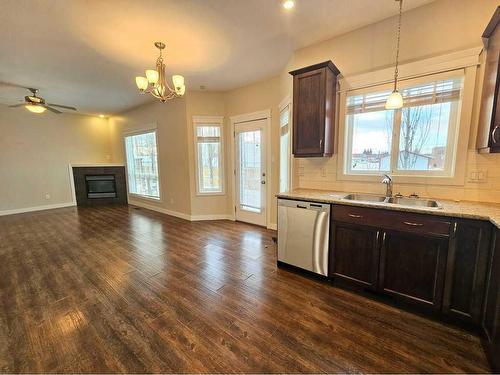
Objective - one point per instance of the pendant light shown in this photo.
(395, 100)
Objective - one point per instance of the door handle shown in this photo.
(263, 182)
(494, 133)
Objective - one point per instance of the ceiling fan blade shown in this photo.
(8, 84)
(52, 109)
(62, 106)
(17, 105)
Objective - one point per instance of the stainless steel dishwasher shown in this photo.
(303, 235)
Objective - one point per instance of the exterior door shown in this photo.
(250, 172)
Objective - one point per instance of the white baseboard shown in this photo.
(272, 226)
(151, 207)
(212, 217)
(36, 208)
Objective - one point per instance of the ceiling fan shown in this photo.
(37, 104)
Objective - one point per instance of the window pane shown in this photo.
(142, 164)
(424, 136)
(370, 137)
(250, 171)
(209, 168)
(208, 131)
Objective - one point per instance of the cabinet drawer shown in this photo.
(393, 220)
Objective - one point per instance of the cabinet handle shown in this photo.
(413, 224)
(355, 216)
(320, 143)
(494, 133)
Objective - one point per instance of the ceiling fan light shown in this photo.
(152, 76)
(394, 101)
(141, 82)
(35, 108)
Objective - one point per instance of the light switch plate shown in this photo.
(478, 176)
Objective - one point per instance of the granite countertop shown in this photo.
(463, 209)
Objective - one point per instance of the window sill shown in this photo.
(220, 193)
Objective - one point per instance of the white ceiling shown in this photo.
(86, 53)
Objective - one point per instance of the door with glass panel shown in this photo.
(250, 172)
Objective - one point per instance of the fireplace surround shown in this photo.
(99, 185)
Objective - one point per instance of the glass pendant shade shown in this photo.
(178, 81)
(35, 108)
(181, 90)
(141, 82)
(152, 76)
(394, 101)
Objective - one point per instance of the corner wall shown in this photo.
(35, 153)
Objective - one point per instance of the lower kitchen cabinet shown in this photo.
(412, 268)
(467, 268)
(491, 317)
(356, 254)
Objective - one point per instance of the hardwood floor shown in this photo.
(126, 290)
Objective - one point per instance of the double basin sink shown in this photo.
(400, 201)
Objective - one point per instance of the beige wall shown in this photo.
(170, 121)
(200, 103)
(260, 96)
(36, 149)
(437, 28)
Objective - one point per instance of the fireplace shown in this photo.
(100, 186)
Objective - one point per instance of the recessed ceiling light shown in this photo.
(101, 115)
(288, 4)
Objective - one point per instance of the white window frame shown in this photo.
(414, 177)
(216, 121)
(152, 128)
(286, 105)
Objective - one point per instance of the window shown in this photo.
(208, 150)
(285, 148)
(420, 139)
(142, 164)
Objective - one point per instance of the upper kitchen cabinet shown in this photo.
(314, 96)
(488, 139)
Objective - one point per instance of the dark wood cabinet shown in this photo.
(355, 254)
(467, 267)
(412, 268)
(314, 98)
(397, 253)
(491, 317)
(488, 139)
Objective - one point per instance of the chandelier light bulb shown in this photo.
(288, 4)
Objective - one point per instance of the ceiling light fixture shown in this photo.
(35, 108)
(101, 115)
(395, 100)
(155, 84)
(288, 4)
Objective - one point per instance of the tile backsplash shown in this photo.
(482, 182)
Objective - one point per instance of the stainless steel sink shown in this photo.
(414, 202)
(365, 198)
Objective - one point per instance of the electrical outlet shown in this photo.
(47, 196)
(301, 171)
(478, 176)
(323, 171)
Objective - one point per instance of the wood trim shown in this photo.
(325, 64)
(490, 28)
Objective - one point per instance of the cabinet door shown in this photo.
(412, 268)
(355, 254)
(309, 113)
(491, 318)
(466, 270)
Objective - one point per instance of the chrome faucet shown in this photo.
(387, 180)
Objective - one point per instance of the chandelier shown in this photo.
(155, 84)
